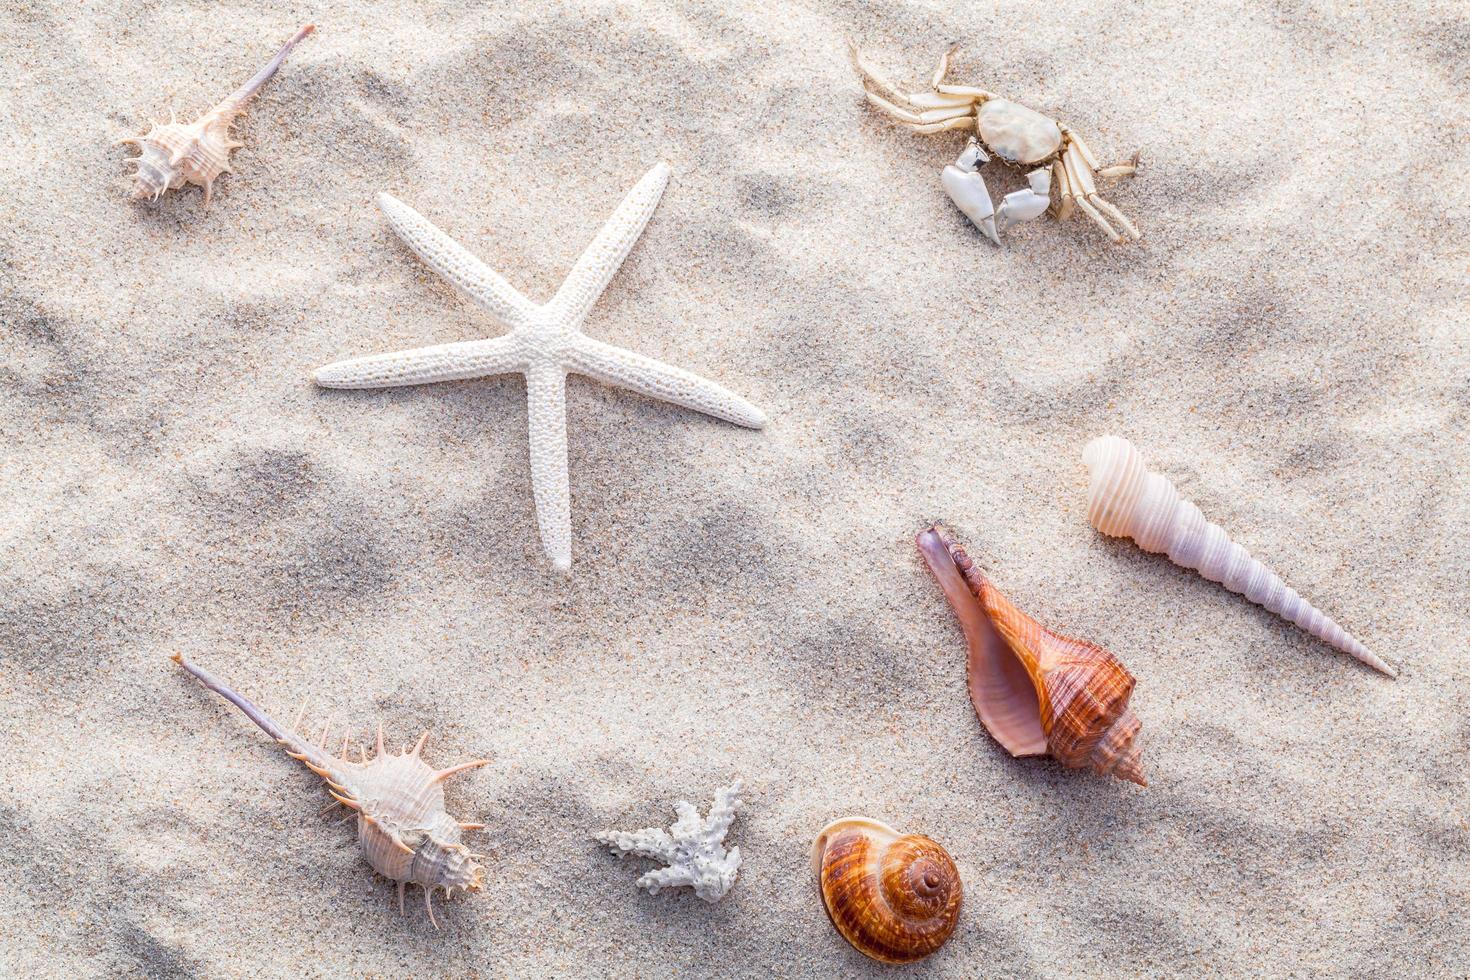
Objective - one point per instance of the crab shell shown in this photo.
(1018, 135)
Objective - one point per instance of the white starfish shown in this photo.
(544, 343)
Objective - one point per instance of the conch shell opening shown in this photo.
(895, 897)
(1035, 690)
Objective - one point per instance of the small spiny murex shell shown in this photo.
(1037, 691)
(402, 827)
(1126, 500)
(895, 897)
(173, 154)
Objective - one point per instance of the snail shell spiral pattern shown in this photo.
(895, 897)
(1126, 500)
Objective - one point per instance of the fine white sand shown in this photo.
(1288, 342)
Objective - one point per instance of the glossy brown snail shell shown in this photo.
(1037, 691)
(895, 897)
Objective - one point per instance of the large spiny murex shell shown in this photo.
(173, 154)
(1125, 500)
(402, 827)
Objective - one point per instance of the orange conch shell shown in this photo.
(895, 897)
(1036, 691)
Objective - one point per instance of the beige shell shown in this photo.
(402, 827)
(895, 897)
(174, 154)
(1125, 500)
(1017, 134)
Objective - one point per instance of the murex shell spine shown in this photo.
(173, 154)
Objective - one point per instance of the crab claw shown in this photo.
(966, 188)
(1026, 205)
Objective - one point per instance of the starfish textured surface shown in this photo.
(693, 848)
(545, 343)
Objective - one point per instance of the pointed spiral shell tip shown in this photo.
(1377, 663)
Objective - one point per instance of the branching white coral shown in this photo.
(693, 848)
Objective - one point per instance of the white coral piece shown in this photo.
(693, 849)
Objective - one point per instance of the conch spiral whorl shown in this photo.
(895, 897)
(1037, 691)
(1126, 500)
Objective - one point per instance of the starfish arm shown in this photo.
(442, 362)
(600, 260)
(448, 258)
(626, 369)
(546, 410)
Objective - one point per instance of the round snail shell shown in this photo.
(895, 897)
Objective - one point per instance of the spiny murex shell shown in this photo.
(1125, 500)
(1037, 691)
(895, 897)
(402, 827)
(174, 154)
(1017, 134)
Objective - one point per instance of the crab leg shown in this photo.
(964, 122)
(1064, 190)
(1112, 211)
(1127, 169)
(947, 113)
(1084, 191)
(1076, 141)
(1104, 205)
(968, 91)
(874, 76)
(922, 120)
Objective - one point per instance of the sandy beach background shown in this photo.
(1289, 342)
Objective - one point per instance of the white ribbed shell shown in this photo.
(402, 827)
(1125, 500)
